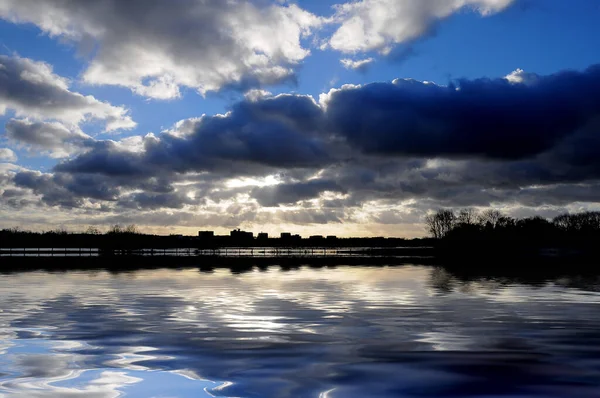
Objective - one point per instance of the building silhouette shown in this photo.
(238, 234)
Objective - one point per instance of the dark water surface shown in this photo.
(323, 333)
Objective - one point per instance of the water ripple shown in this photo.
(328, 333)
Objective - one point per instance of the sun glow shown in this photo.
(250, 182)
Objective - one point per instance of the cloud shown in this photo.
(559, 194)
(64, 190)
(497, 136)
(7, 155)
(276, 132)
(45, 185)
(157, 48)
(379, 25)
(152, 201)
(290, 193)
(360, 64)
(52, 137)
(32, 90)
(375, 154)
(488, 118)
(311, 216)
(520, 76)
(42, 371)
(257, 94)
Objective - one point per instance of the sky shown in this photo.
(348, 118)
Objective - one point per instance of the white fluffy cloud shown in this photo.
(519, 76)
(377, 25)
(359, 64)
(33, 90)
(7, 155)
(157, 47)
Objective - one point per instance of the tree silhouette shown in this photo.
(91, 230)
(490, 218)
(440, 222)
(467, 216)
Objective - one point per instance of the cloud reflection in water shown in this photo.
(331, 332)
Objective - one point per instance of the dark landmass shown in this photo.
(494, 238)
(129, 239)
(467, 241)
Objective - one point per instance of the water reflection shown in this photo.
(307, 332)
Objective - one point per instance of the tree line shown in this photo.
(470, 224)
(115, 236)
(116, 229)
(129, 237)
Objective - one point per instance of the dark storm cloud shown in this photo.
(52, 193)
(13, 193)
(278, 132)
(488, 118)
(478, 143)
(106, 158)
(53, 137)
(269, 139)
(15, 198)
(151, 201)
(208, 217)
(288, 193)
(545, 179)
(559, 195)
(494, 119)
(66, 190)
(69, 190)
(298, 111)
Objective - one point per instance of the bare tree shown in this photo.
(490, 218)
(506, 222)
(118, 229)
(131, 229)
(115, 229)
(91, 230)
(467, 216)
(586, 221)
(60, 230)
(440, 223)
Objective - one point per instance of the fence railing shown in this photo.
(196, 252)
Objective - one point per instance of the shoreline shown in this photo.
(480, 266)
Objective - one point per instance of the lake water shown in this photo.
(345, 332)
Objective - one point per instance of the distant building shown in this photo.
(239, 234)
(206, 234)
(296, 237)
(331, 237)
(263, 235)
(285, 235)
(316, 237)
